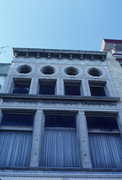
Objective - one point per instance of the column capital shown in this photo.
(39, 112)
(81, 112)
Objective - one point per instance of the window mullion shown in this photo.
(1, 115)
(119, 119)
(83, 140)
(59, 87)
(37, 138)
(86, 89)
(33, 86)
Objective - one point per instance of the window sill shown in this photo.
(59, 97)
(61, 169)
(15, 128)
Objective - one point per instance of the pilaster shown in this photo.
(119, 119)
(83, 140)
(1, 115)
(111, 90)
(34, 86)
(85, 87)
(60, 87)
(37, 138)
(8, 85)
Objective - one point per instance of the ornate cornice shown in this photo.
(59, 54)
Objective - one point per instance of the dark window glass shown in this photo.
(97, 91)
(60, 121)
(24, 69)
(48, 70)
(72, 88)
(104, 141)
(94, 72)
(71, 71)
(60, 146)
(102, 123)
(21, 87)
(47, 88)
(17, 119)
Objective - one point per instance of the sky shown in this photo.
(58, 24)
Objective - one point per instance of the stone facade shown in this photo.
(85, 70)
(3, 73)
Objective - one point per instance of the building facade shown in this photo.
(61, 114)
(4, 68)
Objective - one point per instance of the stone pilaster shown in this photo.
(83, 140)
(34, 86)
(85, 88)
(8, 85)
(37, 139)
(60, 87)
(1, 115)
(111, 91)
(119, 119)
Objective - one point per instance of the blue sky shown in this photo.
(65, 24)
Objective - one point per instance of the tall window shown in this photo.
(60, 146)
(47, 87)
(15, 138)
(104, 140)
(72, 88)
(21, 86)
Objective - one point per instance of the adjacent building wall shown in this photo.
(4, 67)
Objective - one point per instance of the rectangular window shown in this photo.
(104, 140)
(17, 119)
(15, 144)
(60, 120)
(72, 88)
(47, 87)
(97, 88)
(21, 86)
(60, 146)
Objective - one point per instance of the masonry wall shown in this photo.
(2, 80)
(116, 76)
(4, 68)
(110, 72)
(116, 73)
(60, 65)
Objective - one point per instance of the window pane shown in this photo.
(47, 88)
(17, 119)
(60, 149)
(97, 91)
(72, 88)
(20, 90)
(106, 150)
(102, 123)
(15, 148)
(60, 145)
(60, 121)
(105, 144)
(21, 87)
